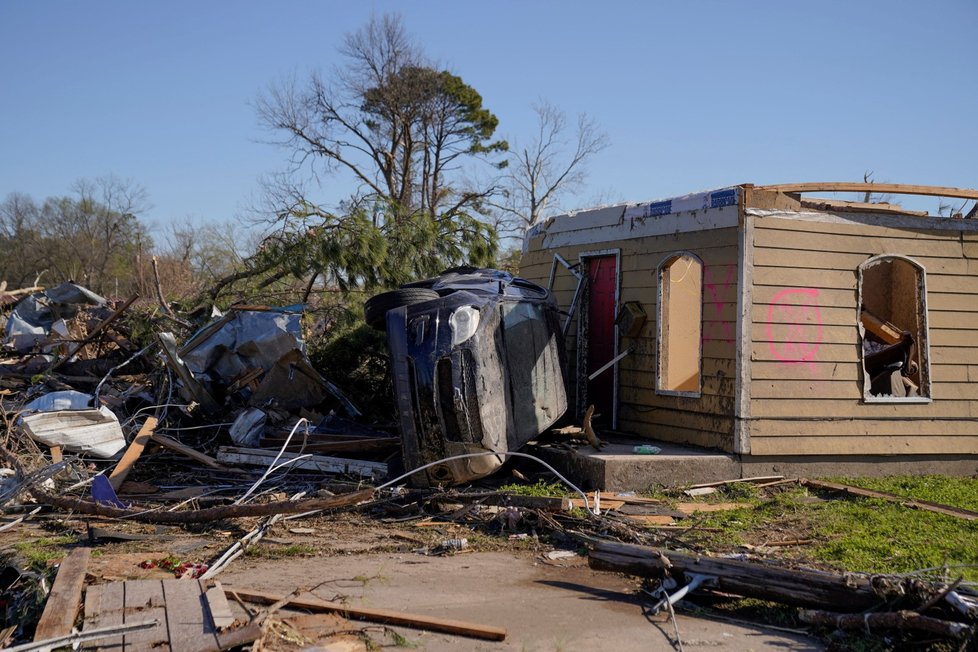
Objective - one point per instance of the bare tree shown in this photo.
(401, 129)
(550, 165)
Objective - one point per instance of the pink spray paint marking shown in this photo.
(714, 288)
(794, 326)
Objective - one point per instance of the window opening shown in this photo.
(680, 325)
(893, 329)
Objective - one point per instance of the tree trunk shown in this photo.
(803, 588)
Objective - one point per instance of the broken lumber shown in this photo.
(322, 463)
(204, 515)
(926, 505)
(183, 449)
(386, 616)
(901, 620)
(121, 470)
(803, 588)
(62, 605)
(95, 331)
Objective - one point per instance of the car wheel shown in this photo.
(376, 307)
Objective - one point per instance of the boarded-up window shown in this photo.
(680, 324)
(893, 329)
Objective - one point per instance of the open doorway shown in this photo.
(598, 337)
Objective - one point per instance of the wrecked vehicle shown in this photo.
(476, 357)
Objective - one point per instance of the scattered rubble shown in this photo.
(235, 423)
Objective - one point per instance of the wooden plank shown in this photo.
(145, 601)
(389, 617)
(810, 408)
(323, 463)
(956, 319)
(926, 505)
(845, 243)
(865, 226)
(702, 508)
(107, 610)
(856, 427)
(865, 445)
(805, 278)
(174, 445)
(64, 600)
(217, 605)
(818, 203)
(954, 285)
(121, 470)
(189, 627)
(886, 188)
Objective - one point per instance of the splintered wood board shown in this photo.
(180, 606)
(693, 508)
(651, 519)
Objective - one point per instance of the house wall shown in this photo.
(644, 243)
(805, 390)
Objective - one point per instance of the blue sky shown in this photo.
(693, 95)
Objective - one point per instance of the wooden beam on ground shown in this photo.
(926, 505)
(177, 447)
(65, 597)
(386, 616)
(803, 588)
(899, 620)
(888, 188)
(325, 464)
(121, 470)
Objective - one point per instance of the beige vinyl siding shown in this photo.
(815, 406)
(706, 420)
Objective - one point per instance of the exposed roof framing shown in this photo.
(891, 188)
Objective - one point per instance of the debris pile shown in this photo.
(234, 422)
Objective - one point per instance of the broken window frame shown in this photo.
(662, 337)
(921, 338)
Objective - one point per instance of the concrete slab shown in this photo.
(543, 607)
(617, 468)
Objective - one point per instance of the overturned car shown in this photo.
(476, 356)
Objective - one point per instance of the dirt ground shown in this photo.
(544, 604)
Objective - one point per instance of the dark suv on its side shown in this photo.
(476, 356)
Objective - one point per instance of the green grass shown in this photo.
(539, 488)
(857, 534)
(38, 552)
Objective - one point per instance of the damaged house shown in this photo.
(764, 323)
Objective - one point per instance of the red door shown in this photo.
(603, 282)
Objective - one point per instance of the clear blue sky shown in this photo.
(693, 95)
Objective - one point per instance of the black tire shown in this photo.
(376, 307)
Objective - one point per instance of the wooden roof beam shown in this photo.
(890, 188)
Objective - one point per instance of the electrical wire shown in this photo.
(587, 505)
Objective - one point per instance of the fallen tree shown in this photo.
(802, 588)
